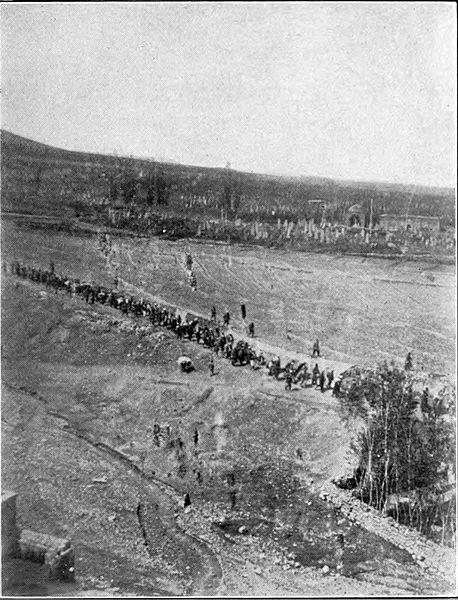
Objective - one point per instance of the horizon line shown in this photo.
(249, 172)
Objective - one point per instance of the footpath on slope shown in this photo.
(268, 349)
(431, 556)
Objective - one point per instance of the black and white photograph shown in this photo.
(228, 299)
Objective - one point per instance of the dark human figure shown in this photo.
(425, 401)
(316, 348)
(196, 437)
(304, 377)
(51, 267)
(408, 364)
(156, 432)
(336, 388)
(251, 330)
(299, 453)
(213, 316)
(211, 366)
(226, 318)
(315, 373)
(187, 500)
(243, 310)
(330, 376)
(230, 479)
(199, 478)
(322, 380)
(233, 498)
(288, 380)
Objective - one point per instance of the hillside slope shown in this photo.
(42, 179)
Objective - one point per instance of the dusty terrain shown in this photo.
(362, 310)
(84, 388)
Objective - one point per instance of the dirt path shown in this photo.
(199, 570)
(205, 572)
(261, 344)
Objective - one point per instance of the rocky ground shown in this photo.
(99, 440)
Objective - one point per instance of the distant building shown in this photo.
(412, 222)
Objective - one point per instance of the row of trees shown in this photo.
(128, 187)
(255, 197)
(405, 448)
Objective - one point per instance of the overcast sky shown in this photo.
(353, 91)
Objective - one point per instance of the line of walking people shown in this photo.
(212, 335)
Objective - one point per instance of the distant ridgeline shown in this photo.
(150, 197)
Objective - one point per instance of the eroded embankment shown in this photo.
(428, 555)
(150, 515)
(184, 551)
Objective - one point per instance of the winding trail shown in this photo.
(205, 570)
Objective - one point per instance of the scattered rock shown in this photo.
(99, 479)
(325, 569)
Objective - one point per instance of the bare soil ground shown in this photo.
(362, 310)
(84, 388)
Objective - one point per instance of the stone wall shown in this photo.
(432, 557)
(10, 531)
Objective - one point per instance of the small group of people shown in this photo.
(227, 318)
(192, 279)
(299, 374)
